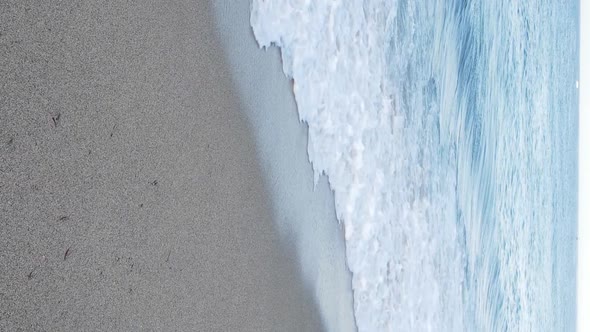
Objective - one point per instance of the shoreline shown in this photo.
(304, 213)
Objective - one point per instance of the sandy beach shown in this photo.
(131, 194)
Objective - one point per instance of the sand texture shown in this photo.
(130, 193)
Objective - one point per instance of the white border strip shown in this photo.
(583, 274)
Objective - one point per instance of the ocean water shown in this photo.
(447, 130)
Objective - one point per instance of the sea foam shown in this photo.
(440, 126)
(389, 174)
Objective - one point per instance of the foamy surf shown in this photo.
(433, 123)
(389, 188)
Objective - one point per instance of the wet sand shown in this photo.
(304, 212)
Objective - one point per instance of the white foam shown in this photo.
(391, 186)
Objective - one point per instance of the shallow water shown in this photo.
(447, 132)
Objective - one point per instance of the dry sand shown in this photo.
(130, 193)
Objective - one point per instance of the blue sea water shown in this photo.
(516, 162)
(448, 131)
